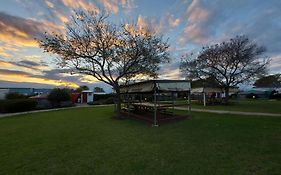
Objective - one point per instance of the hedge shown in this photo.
(17, 105)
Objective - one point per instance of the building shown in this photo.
(3, 93)
(254, 93)
(25, 91)
(211, 95)
(87, 96)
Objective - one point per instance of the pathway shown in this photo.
(230, 112)
(46, 110)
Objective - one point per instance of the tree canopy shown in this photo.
(270, 81)
(230, 63)
(111, 53)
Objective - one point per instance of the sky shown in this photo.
(188, 25)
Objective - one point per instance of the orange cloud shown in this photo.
(110, 6)
(25, 78)
(5, 64)
(81, 4)
(171, 74)
(3, 53)
(150, 24)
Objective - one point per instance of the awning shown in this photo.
(159, 85)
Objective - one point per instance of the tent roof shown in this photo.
(212, 89)
(159, 85)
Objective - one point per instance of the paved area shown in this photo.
(230, 112)
(46, 110)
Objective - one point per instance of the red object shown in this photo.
(75, 96)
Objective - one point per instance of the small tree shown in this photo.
(111, 53)
(230, 63)
(58, 95)
(271, 81)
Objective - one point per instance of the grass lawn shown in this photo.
(89, 141)
(267, 106)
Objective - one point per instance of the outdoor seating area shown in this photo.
(153, 101)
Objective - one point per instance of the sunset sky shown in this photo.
(189, 25)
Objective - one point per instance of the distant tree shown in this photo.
(15, 95)
(206, 82)
(98, 89)
(93, 46)
(269, 81)
(230, 63)
(58, 95)
(82, 88)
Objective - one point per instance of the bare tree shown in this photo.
(92, 45)
(230, 63)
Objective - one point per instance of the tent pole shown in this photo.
(204, 98)
(173, 97)
(189, 103)
(155, 108)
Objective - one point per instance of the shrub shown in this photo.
(17, 105)
(98, 97)
(15, 95)
(57, 96)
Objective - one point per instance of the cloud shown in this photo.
(275, 64)
(21, 31)
(24, 77)
(172, 21)
(196, 29)
(110, 5)
(81, 4)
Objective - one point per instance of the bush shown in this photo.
(98, 97)
(15, 95)
(57, 96)
(17, 105)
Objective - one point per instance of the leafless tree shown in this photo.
(92, 45)
(230, 63)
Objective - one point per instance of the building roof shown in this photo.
(88, 91)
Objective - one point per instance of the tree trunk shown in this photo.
(118, 104)
(226, 99)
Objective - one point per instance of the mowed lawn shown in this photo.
(89, 141)
(265, 106)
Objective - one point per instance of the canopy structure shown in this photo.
(157, 85)
(214, 92)
(157, 109)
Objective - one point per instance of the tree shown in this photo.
(82, 88)
(269, 81)
(15, 95)
(111, 53)
(230, 63)
(207, 82)
(58, 95)
(98, 89)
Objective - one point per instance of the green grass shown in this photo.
(89, 141)
(266, 106)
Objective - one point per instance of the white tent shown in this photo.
(157, 85)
